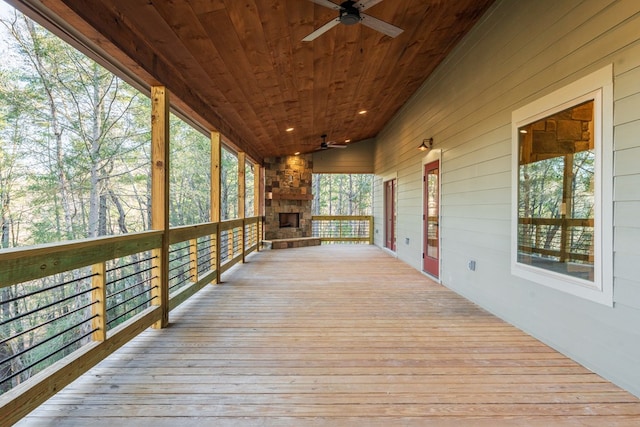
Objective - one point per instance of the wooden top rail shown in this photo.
(571, 222)
(187, 232)
(21, 264)
(231, 224)
(341, 217)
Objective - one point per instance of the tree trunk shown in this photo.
(97, 199)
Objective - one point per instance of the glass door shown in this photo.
(431, 219)
(390, 214)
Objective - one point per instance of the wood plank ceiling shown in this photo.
(243, 67)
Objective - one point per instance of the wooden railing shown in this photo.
(64, 307)
(565, 239)
(343, 228)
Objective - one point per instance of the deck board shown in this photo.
(335, 335)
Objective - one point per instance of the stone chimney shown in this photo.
(288, 197)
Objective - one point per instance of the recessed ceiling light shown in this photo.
(523, 131)
(362, 112)
(297, 153)
(347, 140)
(290, 129)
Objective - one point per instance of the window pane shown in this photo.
(556, 192)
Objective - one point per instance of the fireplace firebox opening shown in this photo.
(289, 220)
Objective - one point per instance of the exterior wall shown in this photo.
(356, 158)
(519, 52)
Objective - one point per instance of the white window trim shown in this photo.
(597, 86)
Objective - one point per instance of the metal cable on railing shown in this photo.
(40, 308)
(39, 291)
(135, 262)
(48, 322)
(133, 309)
(342, 229)
(123, 290)
(132, 297)
(178, 266)
(181, 282)
(135, 273)
(42, 359)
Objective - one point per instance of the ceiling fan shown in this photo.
(324, 145)
(350, 14)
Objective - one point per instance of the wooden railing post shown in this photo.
(193, 259)
(371, 230)
(160, 198)
(99, 296)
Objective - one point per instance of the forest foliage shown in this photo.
(74, 152)
(342, 194)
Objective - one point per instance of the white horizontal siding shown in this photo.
(355, 158)
(521, 51)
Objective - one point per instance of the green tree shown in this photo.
(229, 185)
(190, 175)
(342, 194)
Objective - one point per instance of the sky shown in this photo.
(6, 12)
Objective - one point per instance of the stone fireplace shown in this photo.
(288, 197)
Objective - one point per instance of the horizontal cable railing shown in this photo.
(64, 307)
(128, 287)
(343, 228)
(560, 239)
(43, 321)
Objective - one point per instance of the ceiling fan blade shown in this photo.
(336, 146)
(327, 3)
(378, 25)
(326, 27)
(366, 4)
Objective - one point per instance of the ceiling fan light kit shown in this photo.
(349, 15)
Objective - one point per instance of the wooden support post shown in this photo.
(216, 171)
(257, 202)
(160, 199)
(99, 296)
(242, 197)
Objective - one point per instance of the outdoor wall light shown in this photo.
(426, 145)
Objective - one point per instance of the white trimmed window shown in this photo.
(562, 189)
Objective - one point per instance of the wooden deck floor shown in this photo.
(341, 335)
